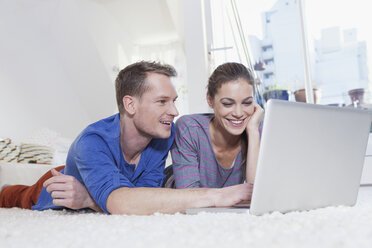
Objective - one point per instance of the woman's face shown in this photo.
(232, 105)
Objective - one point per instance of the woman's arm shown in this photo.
(253, 143)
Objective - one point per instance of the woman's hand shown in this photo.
(255, 119)
(253, 143)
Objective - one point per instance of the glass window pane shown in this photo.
(337, 46)
(339, 32)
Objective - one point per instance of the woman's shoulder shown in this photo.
(193, 120)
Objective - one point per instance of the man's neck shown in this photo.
(131, 140)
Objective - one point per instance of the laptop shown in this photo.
(311, 156)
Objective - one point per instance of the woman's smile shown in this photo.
(236, 123)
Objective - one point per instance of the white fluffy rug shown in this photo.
(328, 227)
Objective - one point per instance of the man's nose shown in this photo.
(173, 110)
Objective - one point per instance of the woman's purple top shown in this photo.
(194, 162)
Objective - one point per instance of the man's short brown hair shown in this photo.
(132, 79)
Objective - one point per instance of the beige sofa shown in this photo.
(26, 174)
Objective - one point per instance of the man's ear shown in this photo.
(209, 100)
(129, 104)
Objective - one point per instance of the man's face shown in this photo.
(155, 110)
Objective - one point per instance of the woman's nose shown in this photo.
(237, 111)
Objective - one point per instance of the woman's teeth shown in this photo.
(237, 122)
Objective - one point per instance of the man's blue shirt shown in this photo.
(95, 159)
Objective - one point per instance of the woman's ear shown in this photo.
(210, 100)
(129, 104)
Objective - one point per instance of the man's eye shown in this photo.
(162, 101)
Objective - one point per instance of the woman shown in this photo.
(220, 149)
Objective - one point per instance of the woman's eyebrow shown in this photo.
(227, 98)
(230, 99)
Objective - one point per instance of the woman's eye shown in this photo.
(247, 103)
(226, 104)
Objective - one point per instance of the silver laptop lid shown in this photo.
(311, 156)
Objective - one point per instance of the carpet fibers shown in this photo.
(326, 227)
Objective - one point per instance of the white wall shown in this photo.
(50, 72)
(59, 59)
(196, 52)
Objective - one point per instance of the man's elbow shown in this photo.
(116, 202)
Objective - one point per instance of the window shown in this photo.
(339, 45)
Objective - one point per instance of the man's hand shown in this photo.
(233, 195)
(68, 192)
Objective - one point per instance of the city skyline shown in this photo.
(318, 15)
(314, 35)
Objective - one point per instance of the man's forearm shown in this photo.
(145, 201)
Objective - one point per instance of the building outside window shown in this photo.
(339, 45)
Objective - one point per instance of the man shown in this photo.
(120, 159)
